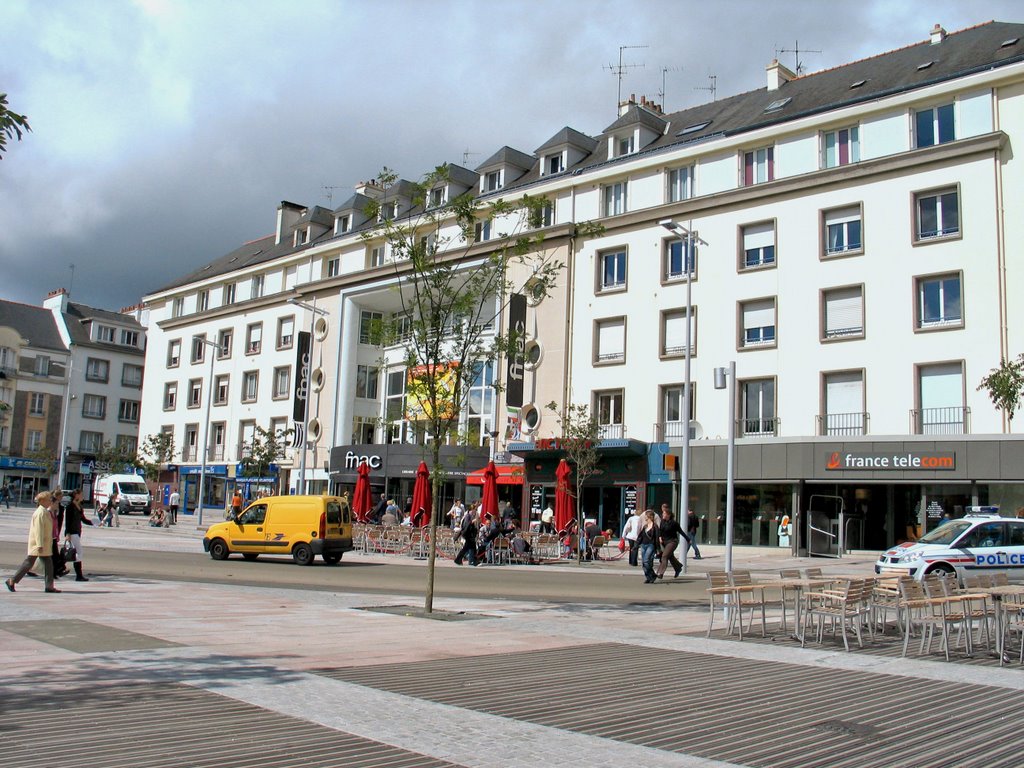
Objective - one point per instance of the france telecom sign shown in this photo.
(899, 461)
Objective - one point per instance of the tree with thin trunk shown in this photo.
(267, 447)
(457, 263)
(156, 452)
(580, 436)
(1005, 386)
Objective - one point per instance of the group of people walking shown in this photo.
(44, 538)
(647, 536)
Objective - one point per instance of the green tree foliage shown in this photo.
(112, 459)
(580, 436)
(156, 452)
(1005, 385)
(12, 125)
(453, 288)
(267, 447)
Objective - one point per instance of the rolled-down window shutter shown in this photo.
(611, 340)
(844, 312)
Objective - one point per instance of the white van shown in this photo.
(135, 496)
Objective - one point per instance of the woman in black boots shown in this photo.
(73, 519)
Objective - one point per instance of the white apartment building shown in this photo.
(858, 267)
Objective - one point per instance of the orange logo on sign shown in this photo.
(833, 461)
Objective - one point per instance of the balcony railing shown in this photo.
(611, 431)
(189, 454)
(670, 432)
(216, 453)
(953, 420)
(753, 427)
(843, 423)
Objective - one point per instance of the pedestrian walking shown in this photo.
(5, 494)
(74, 516)
(692, 528)
(647, 541)
(236, 505)
(40, 543)
(547, 520)
(467, 532)
(630, 532)
(60, 567)
(172, 506)
(669, 532)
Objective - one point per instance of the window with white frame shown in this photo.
(843, 312)
(128, 411)
(370, 327)
(90, 442)
(36, 404)
(938, 214)
(758, 403)
(492, 181)
(403, 328)
(198, 348)
(173, 353)
(250, 386)
(246, 436)
(126, 443)
(203, 301)
(941, 398)
(34, 439)
(221, 389)
(844, 403)
(285, 332)
(758, 166)
(680, 183)
(105, 333)
(229, 294)
(342, 224)
(674, 327)
(190, 449)
(758, 245)
(480, 405)
(554, 163)
(364, 430)
(608, 410)
(282, 382)
(394, 406)
(129, 338)
(177, 306)
(673, 425)
(939, 302)
(99, 370)
(42, 365)
(366, 381)
(218, 437)
(170, 396)
(610, 340)
(547, 214)
(376, 256)
(613, 270)
(840, 147)
(253, 338)
(8, 358)
(256, 287)
(934, 125)
(94, 407)
(843, 228)
(758, 323)
(482, 231)
(625, 145)
(278, 427)
(131, 376)
(615, 198)
(225, 338)
(436, 198)
(333, 266)
(195, 393)
(677, 257)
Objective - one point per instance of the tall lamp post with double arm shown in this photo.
(204, 446)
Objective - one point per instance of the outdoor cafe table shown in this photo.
(997, 594)
(798, 586)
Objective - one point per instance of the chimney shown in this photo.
(778, 74)
(57, 300)
(938, 34)
(625, 105)
(287, 215)
(370, 189)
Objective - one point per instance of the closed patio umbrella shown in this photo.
(362, 499)
(565, 502)
(489, 500)
(422, 497)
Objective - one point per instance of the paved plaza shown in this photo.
(137, 672)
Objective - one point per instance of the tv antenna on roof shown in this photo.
(795, 50)
(620, 70)
(711, 86)
(661, 93)
(329, 191)
(466, 154)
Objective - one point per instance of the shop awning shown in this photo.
(508, 474)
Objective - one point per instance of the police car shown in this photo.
(973, 544)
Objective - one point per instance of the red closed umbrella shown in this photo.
(422, 497)
(362, 499)
(489, 500)
(565, 502)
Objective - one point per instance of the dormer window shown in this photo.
(342, 224)
(436, 197)
(105, 333)
(554, 163)
(492, 182)
(301, 236)
(625, 145)
(130, 338)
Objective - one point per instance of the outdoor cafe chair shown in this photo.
(1000, 580)
(1012, 621)
(596, 545)
(789, 593)
(885, 598)
(965, 612)
(747, 594)
(719, 590)
(847, 606)
(928, 612)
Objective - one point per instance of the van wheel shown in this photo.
(219, 549)
(303, 554)
(250, 555)
(331, 559)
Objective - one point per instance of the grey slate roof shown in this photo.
(462, 176)
(316, 215)
(636, 114)
(357, 203)
(79, 330)
(36, 325)
(507, 156)
(247, 255)
(568, 136)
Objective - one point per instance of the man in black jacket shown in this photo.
(668, 533)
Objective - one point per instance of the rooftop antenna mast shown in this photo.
(329, 191)
(620, 70)
(661, 93)
(466, 154)
(711, 86)
(795, 50)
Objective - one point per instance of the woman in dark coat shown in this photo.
(74, 516)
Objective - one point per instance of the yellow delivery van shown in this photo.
(300, 526)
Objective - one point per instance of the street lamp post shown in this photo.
(63, 463)
(314, 312)
(205, 446)
(689, 239)
(721, 374)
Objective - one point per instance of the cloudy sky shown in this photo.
(166, 132)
